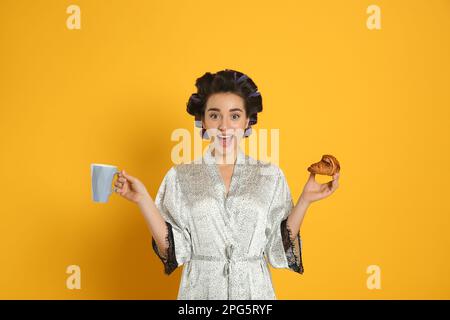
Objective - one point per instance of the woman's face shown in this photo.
(225, 120)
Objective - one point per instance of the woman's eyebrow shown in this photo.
(213, 109)
(231, 110)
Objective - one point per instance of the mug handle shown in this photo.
(112, 187)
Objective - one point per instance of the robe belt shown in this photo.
(229, 260)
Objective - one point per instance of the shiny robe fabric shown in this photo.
(224, 240)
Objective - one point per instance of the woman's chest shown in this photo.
(225, 174)
(246, 203)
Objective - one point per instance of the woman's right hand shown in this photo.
(130, 187)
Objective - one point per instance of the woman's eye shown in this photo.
(213, 116)
(235, 116)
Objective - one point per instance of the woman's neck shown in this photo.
(225, 158)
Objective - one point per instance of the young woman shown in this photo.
(224, 215)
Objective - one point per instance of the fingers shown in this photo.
(118, 187)
(332, 185)
(127, 176)
(120, 183)
(123, 177)
(335, 182)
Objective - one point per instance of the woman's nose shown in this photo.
(223, 125)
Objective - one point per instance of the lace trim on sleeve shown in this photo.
(168, 259)
(292, 248)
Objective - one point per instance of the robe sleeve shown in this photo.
(283, 249)
(169, 202)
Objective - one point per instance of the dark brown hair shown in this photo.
(225, 81)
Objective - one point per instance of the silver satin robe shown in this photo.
(225, 240)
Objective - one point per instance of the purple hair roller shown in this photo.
(195, 97)
(243, 77)
(254, 94)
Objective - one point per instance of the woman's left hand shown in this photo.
(313, 191)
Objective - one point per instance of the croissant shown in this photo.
(327, 166)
